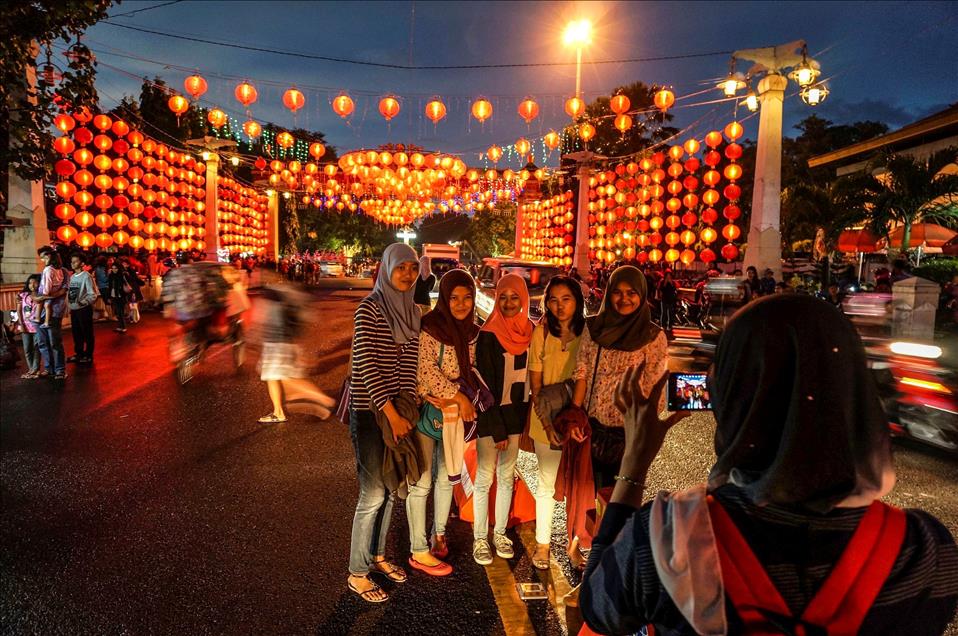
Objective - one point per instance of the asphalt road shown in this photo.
(131, 504)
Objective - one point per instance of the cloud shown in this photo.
(842, 111)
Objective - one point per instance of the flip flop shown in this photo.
(394, 573)
(365, 594)
(271, 419)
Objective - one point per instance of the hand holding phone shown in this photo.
(689, 392)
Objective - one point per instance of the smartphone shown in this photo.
(689, 392)
(532, 591)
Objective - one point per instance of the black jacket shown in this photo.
(501, 421)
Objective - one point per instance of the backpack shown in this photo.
(844, 599)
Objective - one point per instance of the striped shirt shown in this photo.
(380, 368)
(621, 590)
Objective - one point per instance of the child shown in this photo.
(28, 319)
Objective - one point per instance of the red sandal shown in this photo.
(440, 569)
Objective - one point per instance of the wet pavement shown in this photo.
(131, 504)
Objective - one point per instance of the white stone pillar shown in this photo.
(581, 259)
(272, 228)
(212, 161)
(764, 234)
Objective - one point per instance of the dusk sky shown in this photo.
(889, 61)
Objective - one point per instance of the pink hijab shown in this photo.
(514, 334)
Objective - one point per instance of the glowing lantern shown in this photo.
(435, 111)
(104, 240)
(523, 146)
(482, 109)
(729, 252)
(66, 190)
(120, 237)
(731, 232)
(574, 107)
(586, 131)
(708, 235)
(85, 240)
(664, 99)
(245, 94)
(528, 109)
(494, 153)
(293, 99)
(733, 151)
(551, 140)
(136, 242)
(734, 130)
(733, 171)
(65, 211)
(195, 86)
(252, 129)
(178, 104)
(317, 150)
(713, 139)
(65, 168)
(691, 146)
(619, 104)
(388, 107)
(64, 122)
(285, 140)
(102, 122)
(343, 105)
(102, 142)
(66, 233)
(217, 118)
(623, 123)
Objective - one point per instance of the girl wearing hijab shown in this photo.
(502, 360)
(425, 283)
(619, 337)
(552, 358)
(788, 535)
(447, 352)
(385, 357)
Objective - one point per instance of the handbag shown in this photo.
(608, 443)
(430, 416)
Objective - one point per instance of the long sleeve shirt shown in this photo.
(380, 368)
(621, 591)
(82, 291)
(437, 377)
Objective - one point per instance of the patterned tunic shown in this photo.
(612, 366)
(435, 379)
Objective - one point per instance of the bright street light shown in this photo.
(578, 32)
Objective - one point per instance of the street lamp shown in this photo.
(406, 235)
(578, 33)
(815, 94)
(751, 101)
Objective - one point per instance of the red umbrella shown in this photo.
(927, 234)
(857, 241)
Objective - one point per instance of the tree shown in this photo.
(350, 232)
(26, 141)
(909, 190)
(442, 228)
(648, 124)
(807, 207)
(493, 232)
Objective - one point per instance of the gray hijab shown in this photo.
(398, 307)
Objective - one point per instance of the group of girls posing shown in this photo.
(447, 361)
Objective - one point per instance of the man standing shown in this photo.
(81, 295)
(53, 291)
(766, 286)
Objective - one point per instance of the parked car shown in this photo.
(535, 273)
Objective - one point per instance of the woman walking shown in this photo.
(447, 352)
(502, 356)
(552, 360)
(385, 354)
(118, 291)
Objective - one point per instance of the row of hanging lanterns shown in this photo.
(242, 217)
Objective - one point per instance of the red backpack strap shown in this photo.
(842, 602)
(746, 583)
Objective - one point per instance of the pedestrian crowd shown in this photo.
(796, 488)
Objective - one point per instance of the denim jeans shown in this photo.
(545, 489)
(375, 506)
(30, 352)
(490, 461)
(50, 343)
(81, 323)
(418, 493)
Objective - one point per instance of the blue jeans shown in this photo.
(431, 453)
(50, 343)
(375, 506)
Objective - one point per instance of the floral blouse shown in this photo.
(438, 378)
(600, 393)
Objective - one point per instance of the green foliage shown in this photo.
(352, 232)
(442, 228)
(833, 207)
(493, 232)
(26, 141)
(941, 269)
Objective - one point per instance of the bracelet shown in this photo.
(629, 480)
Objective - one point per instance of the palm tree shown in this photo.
(909, 190)
(834, 207)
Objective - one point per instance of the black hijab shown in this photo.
(799, 419)
(443, 326)
(612, 330)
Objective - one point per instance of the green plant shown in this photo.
(942, 269)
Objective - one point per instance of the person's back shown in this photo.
(779, 520)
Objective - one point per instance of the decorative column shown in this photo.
(764, 235)
(212, 213)
(581, 258)
(272, 227)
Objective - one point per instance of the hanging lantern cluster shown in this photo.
(119, 187)
(242, 217)
(663, 207)
(548, 229)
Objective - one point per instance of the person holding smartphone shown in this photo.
(552, 359)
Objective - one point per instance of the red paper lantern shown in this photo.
(664, 99)
(195, 86)
(252, 129)
(713, 139)
(66, 190)
(66, 233)
(64, 145)
(619, 104)
(178, 104)
(574, 107)
(435, 110)
(551, 140)
(343, 105)
(64, 122)
(102, 122)
(83, 178)
(388, 107)
(734, 130)
(733, 151)
(217, 118)
(481, 109)
(293, 99)
(245, 94)
(623, 123)
(104, 240)
(285, 140)
(317, 150)
(528, 109)
(64, 211)
(729, 252)
(586, 130)
(65, 167)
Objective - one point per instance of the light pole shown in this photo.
(406, 235)
(578, 33)
(771, 63)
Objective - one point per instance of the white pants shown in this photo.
(489, 461)
(419, 493)
(545, 489)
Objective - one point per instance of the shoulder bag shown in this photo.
(608, 442)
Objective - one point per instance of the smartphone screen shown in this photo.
(688, 392)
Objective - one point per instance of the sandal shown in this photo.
(391, 571)
(271, 419)
(29, 376)
(367, 595)
(576, 559)
(439, 549)
(539, 561)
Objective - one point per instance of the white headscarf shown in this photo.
(400, 309)
(425, 267)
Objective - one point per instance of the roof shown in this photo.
(938, 126)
